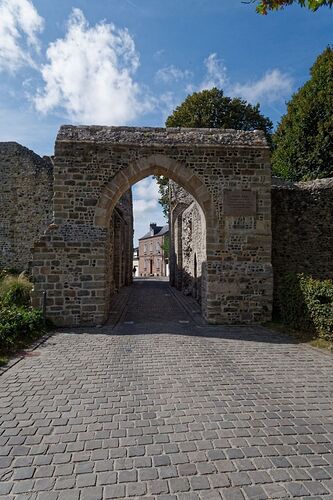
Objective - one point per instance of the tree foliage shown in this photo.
(163, 187)
(212, 109)
(304, 138)
(266, 5)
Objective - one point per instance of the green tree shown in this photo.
(212, 109)
(166, 247)
(266, 5)
(163, 187)
(304, 138)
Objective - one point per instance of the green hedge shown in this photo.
(18, 325)
(306, 304)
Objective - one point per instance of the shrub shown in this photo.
(15, 290)
(306, 304)
(18, 324)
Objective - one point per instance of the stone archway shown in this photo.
(226, 171)
(158, 164)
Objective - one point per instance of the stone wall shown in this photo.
(26, 191)
(188, 242)
(94, 166)
(302, 227)
(26, 212)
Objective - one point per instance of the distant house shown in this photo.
(152, 258)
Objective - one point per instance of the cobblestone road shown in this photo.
(161, 408)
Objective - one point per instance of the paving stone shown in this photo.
(232, 494)
(136, 489)
(239, 478)
(91, 493)
(219, 480)
(44, 484)
(69, 495)
(106, 478)
(199, 483)
(179, 484)
(5, 487)
(187, 469)
(148, 474)
(275, 490)
(115, 491)
(127, 476)
(23, 473)
(297, 489)
(255, 493)
(84, 480)
(235, 413)
(167, 472)
(158, 487)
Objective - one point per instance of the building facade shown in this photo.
(152, 259)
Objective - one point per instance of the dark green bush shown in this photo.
(18, 325)
(306, 304)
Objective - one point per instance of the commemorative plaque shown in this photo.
(238, 203)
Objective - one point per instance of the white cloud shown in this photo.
(146, 208)
(20, 25)
(89, 75)
(272, 87)
(145, 194)
(216, 73)
(172, 74)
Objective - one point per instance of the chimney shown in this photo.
(152, 228)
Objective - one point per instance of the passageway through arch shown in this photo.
(194, 206)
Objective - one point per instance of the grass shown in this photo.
(3, 360)
(300, 337)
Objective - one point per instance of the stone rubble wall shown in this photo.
(95, 165)
(76, 260)
(188, 242)
(26, 191)
(194, 250)
(26, 212)
(302, 227)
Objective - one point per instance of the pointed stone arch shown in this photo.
(155, 164)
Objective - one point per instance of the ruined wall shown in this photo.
(194, 250)
(302, 228)
(121, 242)
(188, 242)
(26, 211)
(94, 166)
(26, 191)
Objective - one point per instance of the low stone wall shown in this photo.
(302, 228)
(26, 192)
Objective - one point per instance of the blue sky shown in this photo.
(130, 62)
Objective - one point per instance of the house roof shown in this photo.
(158, 231)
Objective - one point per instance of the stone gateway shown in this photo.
(94, 168)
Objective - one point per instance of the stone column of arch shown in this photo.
(226, 171)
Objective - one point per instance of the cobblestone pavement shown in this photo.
(181, 413)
